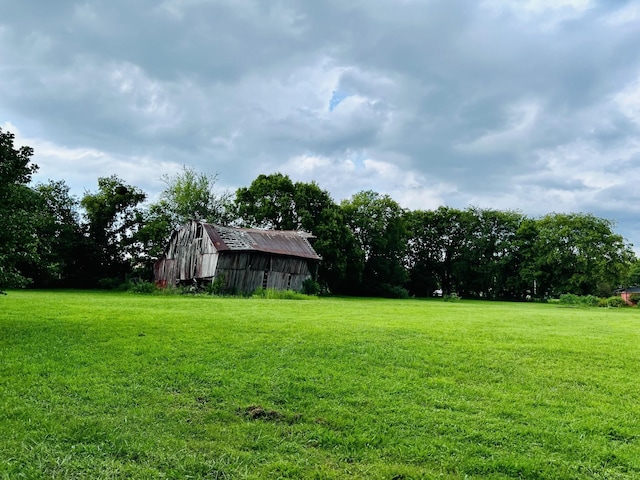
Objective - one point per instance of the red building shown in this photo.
(627, 293)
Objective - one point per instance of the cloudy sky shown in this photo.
(531, 105)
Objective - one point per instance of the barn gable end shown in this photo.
(242, 259)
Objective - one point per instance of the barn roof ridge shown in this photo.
(301, 233)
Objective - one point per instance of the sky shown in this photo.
(528, 105)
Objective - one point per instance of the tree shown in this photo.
(269, 202)
(316, 212)
(489, 254)
(274, 201)
(379, 225)
(187, 195)
(633, 277)
(63, 244)
(424, 253)
(574, 253)
(18, 242)
(472, 252)
(191, 195)
(438, 250)
(113, 219)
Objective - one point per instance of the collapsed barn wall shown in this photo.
(189, 255)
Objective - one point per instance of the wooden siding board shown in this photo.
(244, 271)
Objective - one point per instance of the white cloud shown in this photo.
(524, 8)
(502, 104)
(628, 101)
(347, 175)
(629, 13)
(58, 162)
(575, 177)
(542, 15)
(519, 122)
(143, 95)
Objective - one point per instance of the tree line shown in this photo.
(369, 244)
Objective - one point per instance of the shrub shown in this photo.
(217, 286)
(387, 290)
(310, 287)
(451, 297)
(272, 293)
(579, 301)
(569, 299)
(112, 283)
(590, 300)
(612, 302)
(143, 287)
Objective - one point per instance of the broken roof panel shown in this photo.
(282, 242)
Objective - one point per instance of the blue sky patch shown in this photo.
(337, 98)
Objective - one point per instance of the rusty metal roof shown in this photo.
(281, 242)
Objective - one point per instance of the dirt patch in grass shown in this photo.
(256, 412)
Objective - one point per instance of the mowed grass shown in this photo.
(115, 385)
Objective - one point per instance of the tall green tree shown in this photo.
(633, 277)
(18, 242)
(471, 252)
(438, 250)
(316, 212)
(380, 227)
(269, 202)
(113, 218)
(186, 195)
(424, 253)
(574, 253)
(275, 201)
(192, 195)
(490, 254)
(63, 245)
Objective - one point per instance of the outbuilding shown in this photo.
(239, 259)
(627, 293)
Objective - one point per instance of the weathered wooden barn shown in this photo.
(241, 259)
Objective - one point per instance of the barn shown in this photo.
(239, 259)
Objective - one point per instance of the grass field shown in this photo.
(115, 385)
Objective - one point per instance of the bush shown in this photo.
(310, 287)
(143, 287)
(217, 286)
(387, 290)
(112, 283)
(579, 301)
(612, 302)
(569, 299)
(272, 293)
(451, 297)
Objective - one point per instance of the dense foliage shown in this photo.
(368, 243)
(17, 202)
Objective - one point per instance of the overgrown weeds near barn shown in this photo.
(271, 293)
(149, 288)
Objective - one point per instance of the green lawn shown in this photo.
(115, 385)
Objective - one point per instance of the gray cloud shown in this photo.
(527, 105)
